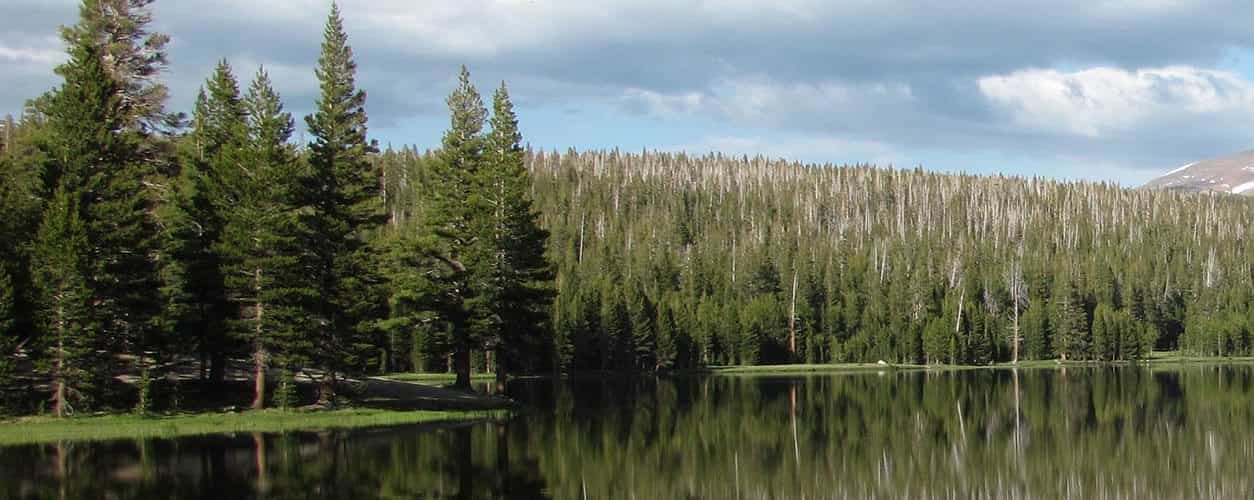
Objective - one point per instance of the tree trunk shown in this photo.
(259, 348)
(961, 299)
(1014, 356)
(59, 405)
(501, 374)
(217, 368)
(259, 378)
(792, 320)
(461, 365)
(326, 389)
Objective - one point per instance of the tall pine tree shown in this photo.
(97, 161)
(345, 210)
(73, 344)
(9, 336)
(212, 154)
(512, 278)
(260, 245)
(452, 221)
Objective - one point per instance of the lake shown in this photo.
(1113, 432)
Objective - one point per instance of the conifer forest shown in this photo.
(136, 240)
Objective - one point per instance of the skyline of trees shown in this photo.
(685, 261)
(159, 239)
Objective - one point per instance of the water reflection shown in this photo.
(1102, 432)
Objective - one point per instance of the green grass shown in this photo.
(804, 368)
(47, 429)
(435, 377)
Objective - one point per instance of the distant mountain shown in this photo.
(1228, 174)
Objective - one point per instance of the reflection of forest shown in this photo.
(1125, 432)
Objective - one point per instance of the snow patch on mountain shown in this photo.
(1179, 169)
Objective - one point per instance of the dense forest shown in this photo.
(668, 260)
(137, 241)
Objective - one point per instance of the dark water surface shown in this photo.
(1038, 433)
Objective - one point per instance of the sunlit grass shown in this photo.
(435, 377)
(104, 427)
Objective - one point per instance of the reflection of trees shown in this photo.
(1120, 432)
(409, 462)
(1127, 432)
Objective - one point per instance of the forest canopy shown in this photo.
(138, 241)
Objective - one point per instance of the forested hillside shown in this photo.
(668, 260)
(136, 241)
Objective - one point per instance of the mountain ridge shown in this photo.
(1226, 174)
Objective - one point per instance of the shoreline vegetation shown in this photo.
(382, 402)
(1157, 359)
(374, 411)
(44, 429)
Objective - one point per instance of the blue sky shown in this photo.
(1115, 90)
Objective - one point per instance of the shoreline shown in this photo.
(1158, 359)
(43, 429)
(384, 402)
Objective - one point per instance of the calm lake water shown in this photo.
(1039, 433)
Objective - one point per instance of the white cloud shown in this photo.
(758, 100)
(811, 75)
(36, 56)
(1100, 101)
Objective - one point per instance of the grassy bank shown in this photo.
(434, 378)
(1156, 359)
(47, 429)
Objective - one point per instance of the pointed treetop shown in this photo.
(268, 122)
(466, 113)
(131, 54)
(340, 116)
(505, 137)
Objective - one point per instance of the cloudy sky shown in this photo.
(1099, 89)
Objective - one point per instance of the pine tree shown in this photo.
(21, 203)
(8, 336)
(96, 159)
(131, 56)
(73, 341)
(1036, 328)
(453, 221)
(642, 319)
(262, 258)
(668, 338)
(512, 279)
(1069, 322)
(345, 210)
(212, 154)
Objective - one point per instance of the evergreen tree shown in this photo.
(130, 54)
(262, 260)
(452, 221)
(8, 337)
(1035, 325)
(669, 338)
(95, 159)
(642, 318)
(1069, 322)
(75, 349)
(195, 284)
(21, 203)
(345, 210)
(512, 280)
